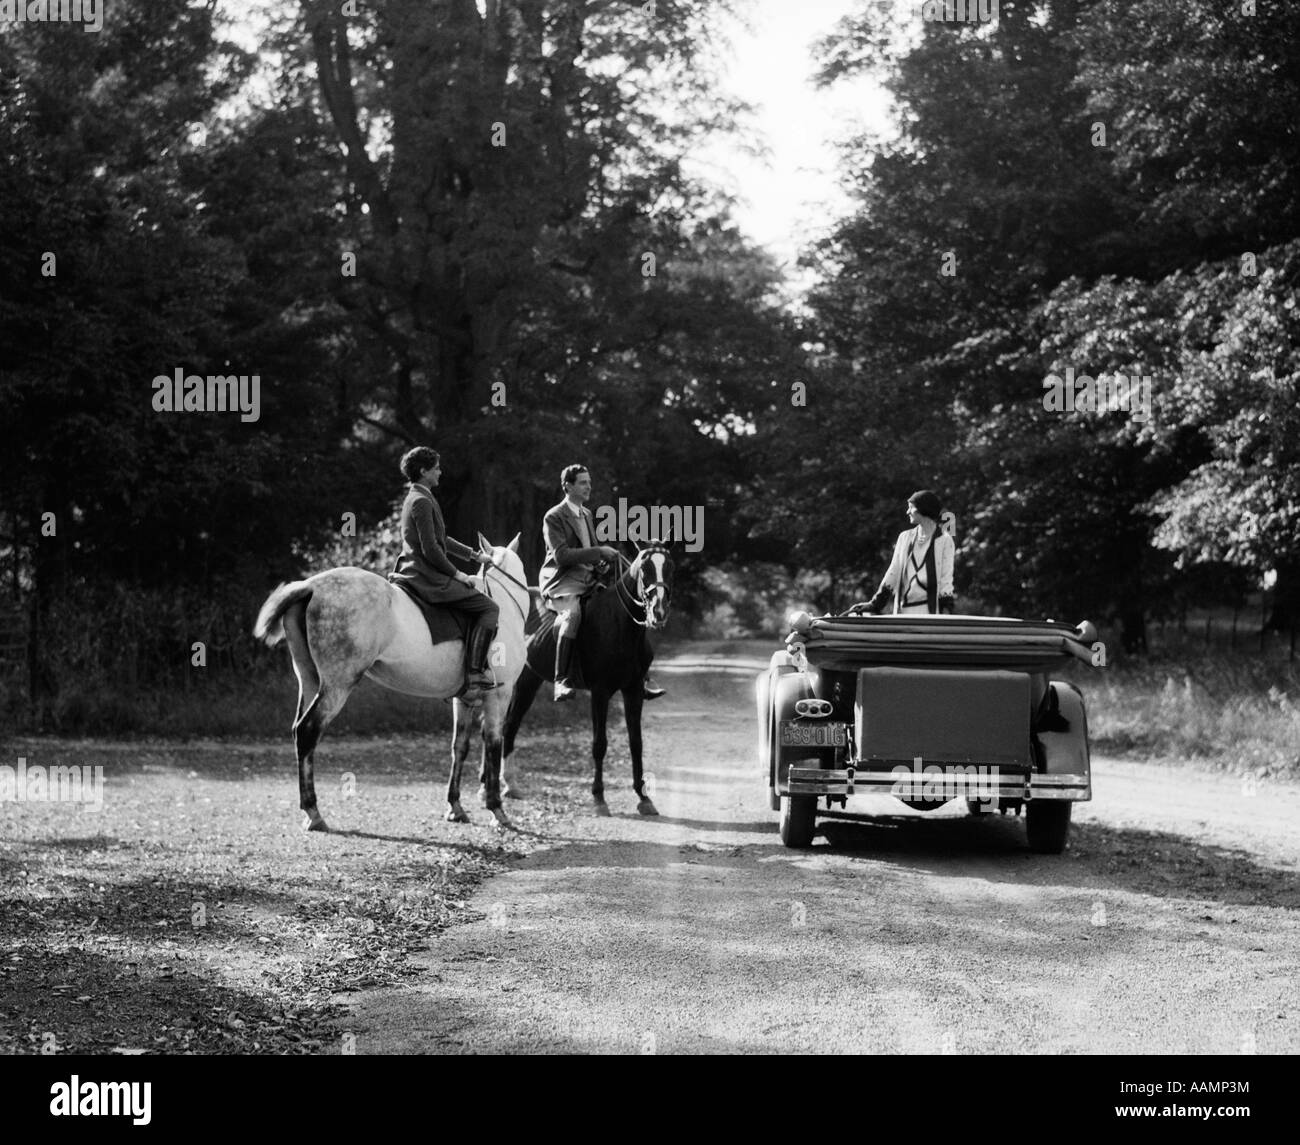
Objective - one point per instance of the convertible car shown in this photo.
(927, 709)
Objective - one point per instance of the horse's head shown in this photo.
(506, 559)
(503, 556)
(651, 575)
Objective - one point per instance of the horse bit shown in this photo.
(642, 600)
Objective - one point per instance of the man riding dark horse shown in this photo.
(570, 570)
(614, 656)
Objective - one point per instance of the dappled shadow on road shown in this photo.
(427, 842)
(762, 828)
(636, 856)
(389, 760)
(990, 850)
(1099, 856)
(153, 908)
(85, 1002)
(725, 945)
(916, 835)
(210, 895)
(81, 843)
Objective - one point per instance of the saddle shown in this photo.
(445, 623)
(541, 641)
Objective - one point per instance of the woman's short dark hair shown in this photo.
(416, 461)
(927, 503)
(569, 474)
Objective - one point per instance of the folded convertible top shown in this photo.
(987, 641)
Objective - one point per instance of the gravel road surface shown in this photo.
(1171, 925)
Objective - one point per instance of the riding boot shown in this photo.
(479, 679)
(563, 665)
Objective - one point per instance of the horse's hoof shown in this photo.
(456, 814)
(601, 808)
(506, 793)
(503, 820)
(316, 824)
(511, 793)
(647, 808)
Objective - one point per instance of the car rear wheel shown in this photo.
(1047, 823)
(798, 820)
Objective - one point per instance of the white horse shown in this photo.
(347, 623)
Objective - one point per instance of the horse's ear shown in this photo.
(484, 544)
(513, 546)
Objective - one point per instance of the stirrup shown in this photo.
(474, 688)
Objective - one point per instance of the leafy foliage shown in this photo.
(1068, 189)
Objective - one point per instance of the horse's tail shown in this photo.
(270, 621)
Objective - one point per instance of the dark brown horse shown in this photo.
(613, 655)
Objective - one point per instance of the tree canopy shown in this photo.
(470, 223)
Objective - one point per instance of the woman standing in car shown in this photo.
(919, 578)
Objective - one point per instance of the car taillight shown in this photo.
(817, 709)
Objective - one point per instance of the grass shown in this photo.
(1238, 713)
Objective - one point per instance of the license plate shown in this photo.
(813, 735)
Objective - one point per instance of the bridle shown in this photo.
(487, 584)
(621, 591)
(641, 601)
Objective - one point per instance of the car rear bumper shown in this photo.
(905, 782)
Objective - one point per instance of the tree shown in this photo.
(992, 194)
(535, 268)
(1065, 191)
(136, 243)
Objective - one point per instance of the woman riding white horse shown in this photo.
(348, 623)
(424, 568)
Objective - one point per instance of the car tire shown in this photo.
(773, 795)
(798, 820)
(1047, 823)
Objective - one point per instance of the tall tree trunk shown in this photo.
(1133, 629)
(1132, 593)
(42, 685)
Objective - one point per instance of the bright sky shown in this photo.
(793, 194)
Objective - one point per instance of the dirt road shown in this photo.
(1171, 925)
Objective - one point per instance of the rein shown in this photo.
(637, 600)
(488, 564)
(487, 581)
